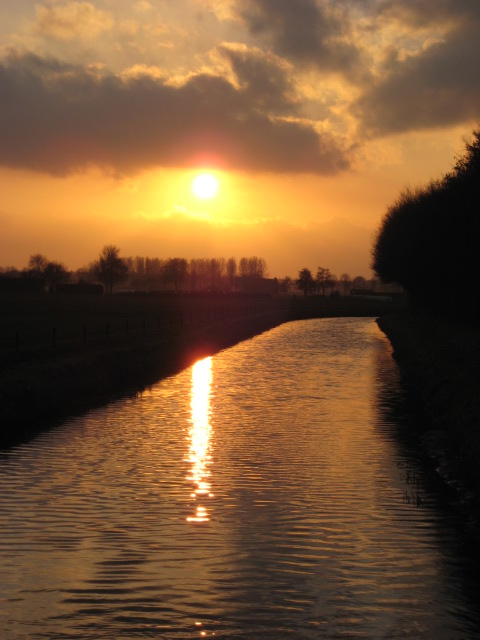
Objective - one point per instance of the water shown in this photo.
(263, 493)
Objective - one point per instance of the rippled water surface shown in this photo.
(262, 493)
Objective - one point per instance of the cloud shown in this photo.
(142, 6)
(420, 14)
(222, 9)
(71, 20)
(179, 213)
(61, 118)
(306, 31)
(438, 86)
(263, 78)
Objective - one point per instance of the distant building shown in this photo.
(253, 284)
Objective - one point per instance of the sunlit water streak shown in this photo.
(200, 438)
(262, 493)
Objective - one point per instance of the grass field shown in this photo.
(38, 322)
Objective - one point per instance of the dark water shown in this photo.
(263, 493)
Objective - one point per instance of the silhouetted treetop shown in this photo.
(37, 264)
(305, 281)
(428, 239)
(468, 165)
(110, 268)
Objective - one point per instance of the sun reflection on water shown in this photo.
(199, 438)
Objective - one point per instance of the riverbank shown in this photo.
(440, 363)
(36, 393)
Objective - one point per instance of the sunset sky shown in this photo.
(312, 115)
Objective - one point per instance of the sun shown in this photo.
(205, 186)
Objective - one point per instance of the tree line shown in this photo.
(144, 273)
(326, 282)
(428, 240)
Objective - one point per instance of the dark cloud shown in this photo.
(264, 82)
(306, 31)
(440, 86)
(60, 118)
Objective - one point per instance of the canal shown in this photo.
(270, 491)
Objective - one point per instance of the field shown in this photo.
(33, 324)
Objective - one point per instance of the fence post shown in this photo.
(107, 330)
(126, 327)
(54, 336)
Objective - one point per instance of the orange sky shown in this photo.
(312, 115)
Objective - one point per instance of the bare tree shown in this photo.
(305, 281)
(243, 267)
(325, 279)
(359, 282)
(285, 284)
(37, 265)
(252, 267)
(110, 268)
(200, 274)
(175, 272)
(346, 282)
(217, 268)
(55, 273)
(231, 269)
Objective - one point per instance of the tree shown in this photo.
(346, 283)
(324, 280)
(258, 267)
(305, 281)
(37, 265)
(252, 267)
(359, 282)
(175, 272)
(427, 241)
(243, 267)
(55, 272)
(285, 284)
(217, 269)
(110, 268)
(231, 269)
(467, 166)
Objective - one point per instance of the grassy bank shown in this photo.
(344, 306)
(440, 363)
(42, 383)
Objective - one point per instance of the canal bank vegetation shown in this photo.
(439, 362)
(428, 242)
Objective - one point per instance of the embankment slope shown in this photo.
(439, 361)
